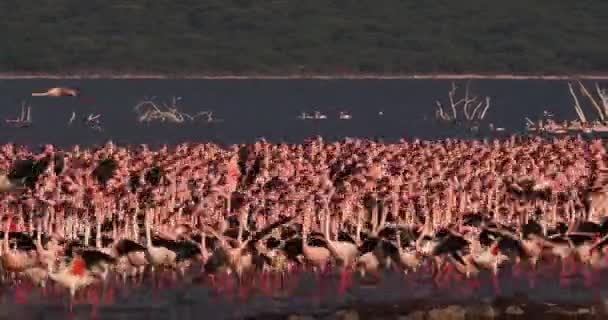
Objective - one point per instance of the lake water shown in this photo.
(269, 108)
(307, 296)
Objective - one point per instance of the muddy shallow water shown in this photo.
(304, 295)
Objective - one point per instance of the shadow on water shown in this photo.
(269, 108)
(303, 295)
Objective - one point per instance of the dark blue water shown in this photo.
(269, 108)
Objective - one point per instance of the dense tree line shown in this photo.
(303, 36)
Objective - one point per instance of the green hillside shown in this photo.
(303, 36)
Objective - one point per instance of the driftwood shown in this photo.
(577, 105)
(599, 102)
(470, 107)
(149, 111)
(603, 95)
(24, 119)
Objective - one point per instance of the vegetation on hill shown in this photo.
(297, 36)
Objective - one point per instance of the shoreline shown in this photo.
(445, 76)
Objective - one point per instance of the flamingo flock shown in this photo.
(68, 259)
(250, 213)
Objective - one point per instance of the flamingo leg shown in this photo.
(28, 289)
(449, 275)
(71, 304)
(156, 284)
(321, 291)
(531, 277)
(495, 283)
(516, 269)
(345, 281)
(441, 277)
(174, 279)
(474, 283)
(212, 281)
(274, 281)
(264, 280)
(159, 281)
(589, 277)
(457, 279)
(243, 290)
(573, 264)
(228, 285)
(19, 298)
(220, 283)
(93, 299)
(565, 271)
(216, 280)
(470, 285)
(283, 281)
(109, 297)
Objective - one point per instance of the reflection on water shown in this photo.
(270, 296)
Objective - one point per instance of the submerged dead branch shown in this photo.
(24, 120)
(577, 105)
(149, 111)
(599, 102)
(600, 111)
(603, 94)
(472, 109)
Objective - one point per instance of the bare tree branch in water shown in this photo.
(577, 105)
(149, 111)
(24, 119)
(473, 109)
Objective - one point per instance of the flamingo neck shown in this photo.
(148, 236)
(98, 235)
(6, 235)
